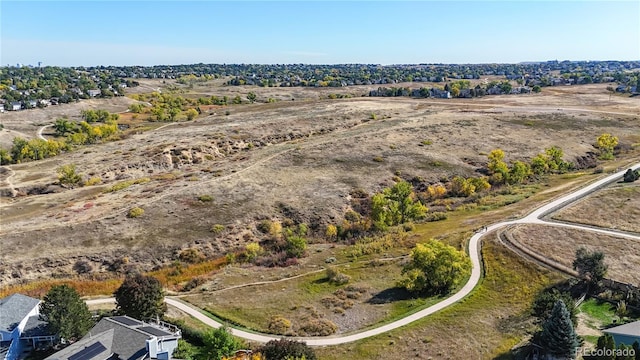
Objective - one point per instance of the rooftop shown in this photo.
(13, 309)
(630, 329)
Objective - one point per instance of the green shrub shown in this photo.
(436, 216)
(426, 142)
(336, 277)
(217, 228)
(205, 198)
(378, 159)
(135, 212)
(125, 184)
(93, 181)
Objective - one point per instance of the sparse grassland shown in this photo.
(615, 207)
(560, 244)
(497, 309)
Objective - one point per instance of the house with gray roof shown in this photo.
(625, 334)
(123, 338)
(21, 329)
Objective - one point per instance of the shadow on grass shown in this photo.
(391, 295)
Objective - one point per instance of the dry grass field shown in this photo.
(290, 159)
(615, 207)
(622, 256)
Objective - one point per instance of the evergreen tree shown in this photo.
(558, 335)
(606, 342)
(67, 315)
(140, 297)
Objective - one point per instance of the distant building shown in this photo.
(15, 106)
(21, 329)
(123, 338)
(94, 92)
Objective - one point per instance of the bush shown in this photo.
(631, 176)
(317, 327)
(336, 277)
(284, 349)
(205, 198)
(191, 256)
(93, 181)
(217, 228)
(193, 283)
(67, 175)
(82, 267)
(135, 212)
(252, 251)
(279, 325)
(408, 226)
(436, 216)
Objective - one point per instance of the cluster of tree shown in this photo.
(556, 310)
(606, 350)
(168, 107)
(435, 268)
(103, 116)
(400, 204)
(282, 247)
(27, 150)
(548, 162)
(74, 134)
(456, 89)
(64, 84)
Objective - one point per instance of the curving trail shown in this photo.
(535, 217)
(41, 130)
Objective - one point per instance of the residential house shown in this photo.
(21, 329)
(123, 338)
(94, 92)
(625, 334)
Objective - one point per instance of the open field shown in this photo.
(486, 324)
(290, 159)
(615, 207)
(622, 256)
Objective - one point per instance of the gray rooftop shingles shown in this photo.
(13, 309)
(35, 327)
(631, 329)
(128, 343)
(105, 338)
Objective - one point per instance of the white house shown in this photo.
(20, 326)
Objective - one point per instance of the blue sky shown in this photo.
(317, 32)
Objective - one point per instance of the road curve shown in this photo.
(534, 217)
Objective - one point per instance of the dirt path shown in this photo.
(41, 130)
